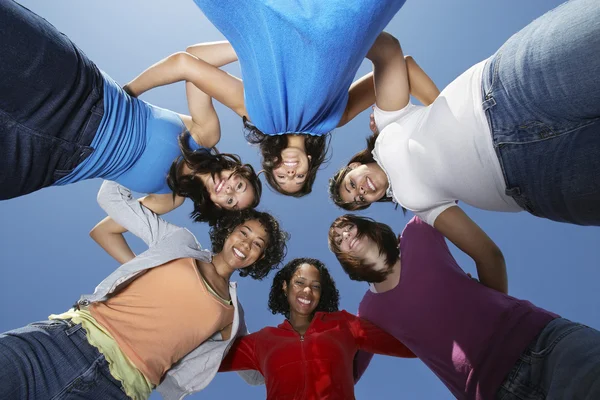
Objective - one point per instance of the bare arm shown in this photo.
(470, 238)
(421, 85)
(387, 86)
(109, 234)
(184, 66)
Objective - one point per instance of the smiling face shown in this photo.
(230, 191)
(290, 175)
(361, 247)
(304, 290)
(245, 245)
(363, 184)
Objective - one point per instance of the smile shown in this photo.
(304, 301)
(219, 186)
(353, 242)
(239, 254)
(370, 184)
(290, 163)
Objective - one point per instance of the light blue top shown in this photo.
(299, 57)
(135, 144)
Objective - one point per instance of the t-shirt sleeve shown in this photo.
(431, 214)
(384, 118)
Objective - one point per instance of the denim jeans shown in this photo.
(541, 94)
(562, 362)
(51, 102)
(54, 360)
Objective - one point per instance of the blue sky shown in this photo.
(47, 259)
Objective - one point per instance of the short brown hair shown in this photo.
(379, 233)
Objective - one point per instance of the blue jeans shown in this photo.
(541, 94)
(51, 102)
(54, 360)
(562, 362)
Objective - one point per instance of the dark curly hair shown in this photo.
(271, 146)
(207, 161)
(278, 302)
(275, 249)
(381, 234)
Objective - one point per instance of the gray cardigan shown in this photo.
(167, 242)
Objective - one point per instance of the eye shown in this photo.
(300, 176)
(317, 287)
(362, 199)
(230, 201)
(352, 185)
(258, 244)
(280, 176)
(244, 233)
(239, 186)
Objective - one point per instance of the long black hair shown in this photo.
(271, 146)
(278, 302)
(203, 161)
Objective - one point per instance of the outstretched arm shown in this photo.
(455, 225)
(185, 66)
(109, 234)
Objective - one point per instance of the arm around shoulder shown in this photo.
(457, 227)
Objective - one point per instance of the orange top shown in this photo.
(162, 316)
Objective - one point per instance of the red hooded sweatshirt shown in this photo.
(316, 365)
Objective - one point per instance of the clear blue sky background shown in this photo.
(47, 259)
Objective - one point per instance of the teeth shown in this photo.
(290, 164)
(370, 184)
(304, 301)
(219, 186)
(239, 253)
(353, 242)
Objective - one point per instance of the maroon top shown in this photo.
(469, 335)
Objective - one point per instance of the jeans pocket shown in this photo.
(77, 158)
(50, 324)
(548, 349)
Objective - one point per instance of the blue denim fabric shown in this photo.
(51, 102)
(541, 94)
(562, 362)
(53, 360)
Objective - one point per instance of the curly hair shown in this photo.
(379, 233)
(275, 249)
(203, 161)
(335, 183)
(271, 146)
(278, 302)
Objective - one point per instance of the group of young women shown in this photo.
(517, 131)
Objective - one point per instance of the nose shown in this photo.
(345, 235)
(307, 289)
(291, 172)
(362, 190)
(228, 189)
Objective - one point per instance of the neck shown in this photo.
(296, 141)
(300, 323)
(391, 281)
(223, 269)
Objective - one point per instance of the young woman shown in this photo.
(516, 132)
(310, 355)
(63, 120)
(148, 323)
(298, 60)
(482, 343)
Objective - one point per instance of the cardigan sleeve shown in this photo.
(242, 355)
(370, 338)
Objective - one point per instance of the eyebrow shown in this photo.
(247, 227)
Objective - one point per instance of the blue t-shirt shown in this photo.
(135, 144)
(299, 58)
